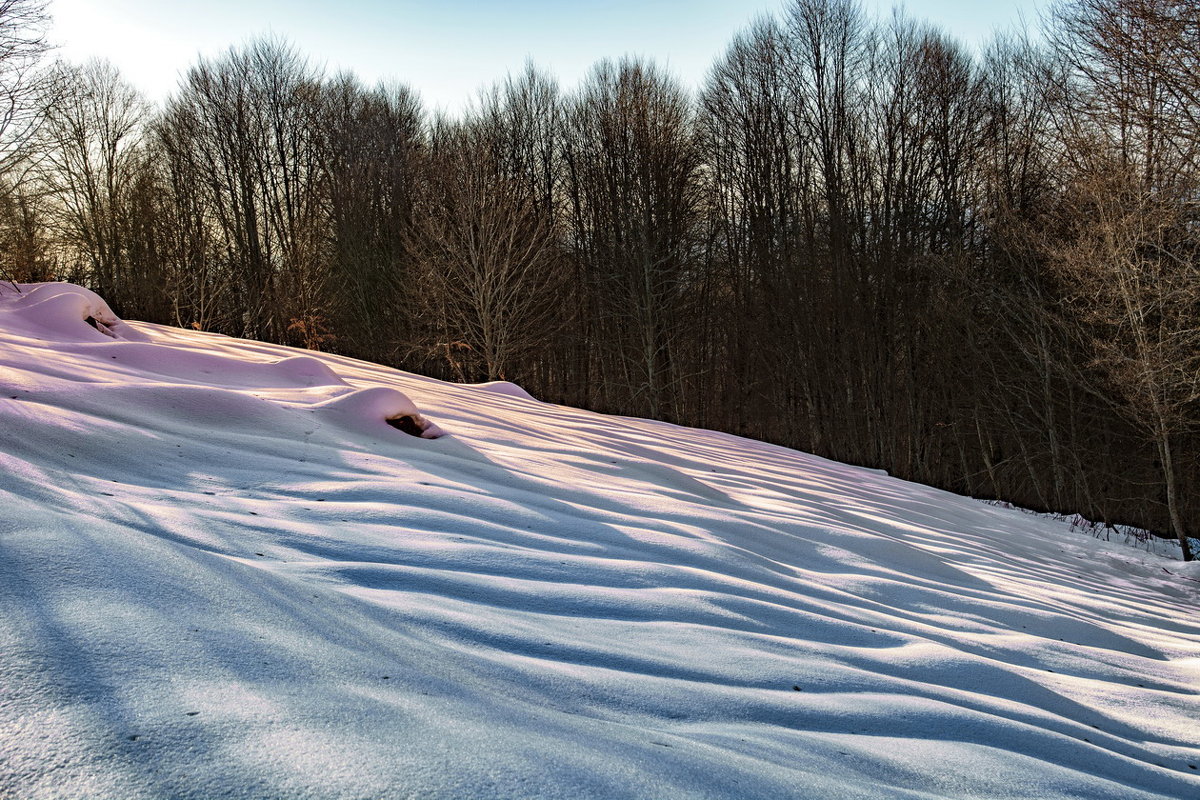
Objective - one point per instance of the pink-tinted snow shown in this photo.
(222, 574)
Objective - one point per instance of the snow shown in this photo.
(223, 574)
(506, 388)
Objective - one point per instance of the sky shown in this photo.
(447, 49)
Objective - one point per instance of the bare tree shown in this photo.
(1129, 259)
(27, 253)
(490, 269)
(22, 45)
(373, 141)
(633, 162)
(244, 127)
(91, 137)
(756, 213)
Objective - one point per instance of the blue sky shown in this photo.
(449, 48)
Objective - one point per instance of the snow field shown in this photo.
(223, 574)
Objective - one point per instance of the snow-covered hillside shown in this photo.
(223, 574)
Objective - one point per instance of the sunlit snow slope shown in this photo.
(222, 574)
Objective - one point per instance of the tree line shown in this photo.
(858, 238)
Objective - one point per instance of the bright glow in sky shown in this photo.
(447, 49)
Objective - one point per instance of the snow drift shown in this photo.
(223, 574)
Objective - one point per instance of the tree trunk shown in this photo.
(1168, 463)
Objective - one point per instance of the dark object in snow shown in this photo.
(103, 327)
(407, 424)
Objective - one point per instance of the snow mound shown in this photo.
(64, 312)
(366, 409)
(222, 574)
(504, 388)
(308, 371)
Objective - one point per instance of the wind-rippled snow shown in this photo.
(223, 574)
